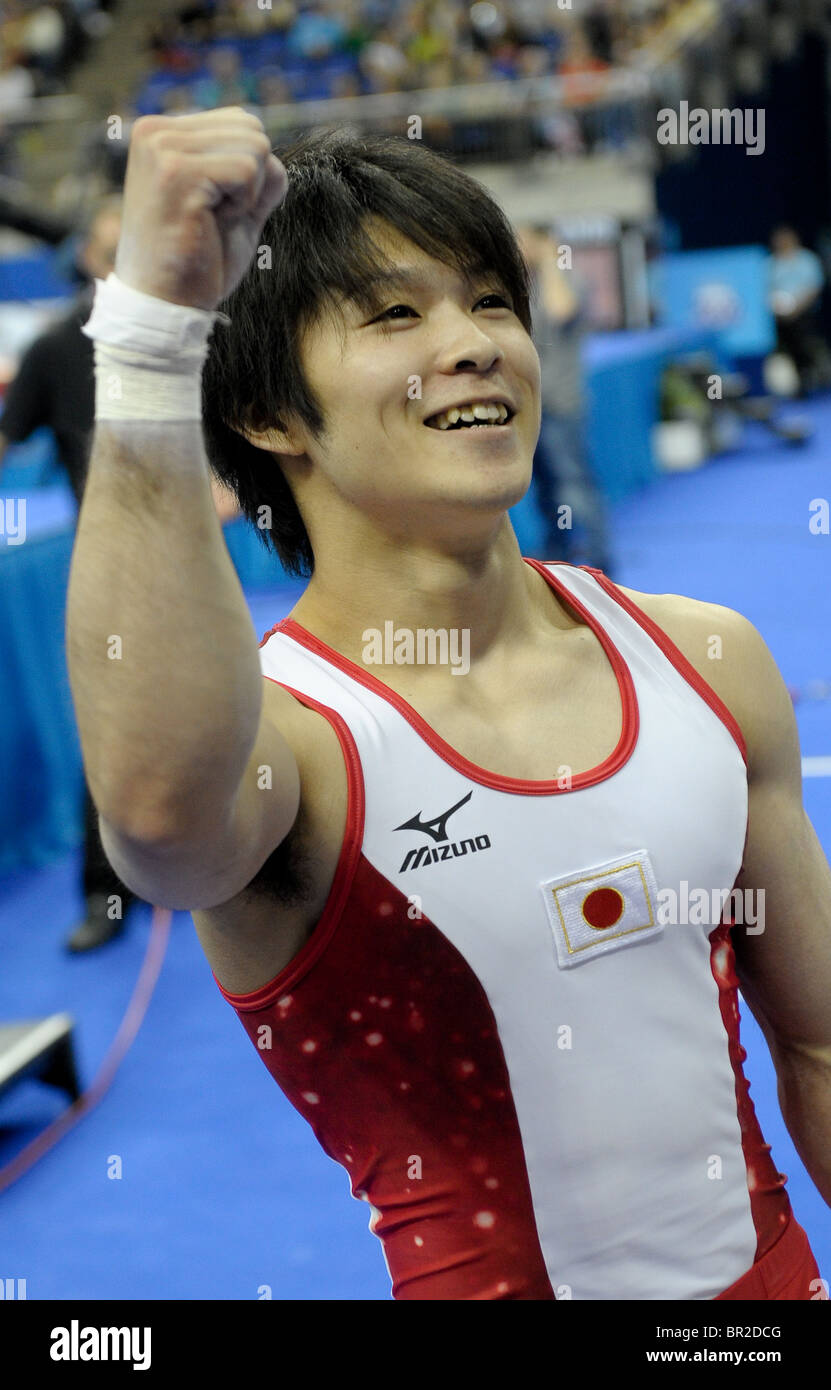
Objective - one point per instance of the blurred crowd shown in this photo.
(40, 44)
(223, 51)
(268, 54)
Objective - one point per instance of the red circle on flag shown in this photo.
(602, 908)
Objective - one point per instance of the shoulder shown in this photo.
(730, 654)
(713, 638)
(687, 619)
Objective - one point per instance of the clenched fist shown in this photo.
(197, 192)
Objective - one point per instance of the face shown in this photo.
(438, 343)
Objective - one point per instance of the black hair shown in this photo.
(316, 250)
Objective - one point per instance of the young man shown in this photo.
(433, 889)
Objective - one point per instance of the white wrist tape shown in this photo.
(149, 354)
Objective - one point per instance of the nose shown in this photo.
(466, 344)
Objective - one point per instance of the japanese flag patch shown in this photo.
(602, 908)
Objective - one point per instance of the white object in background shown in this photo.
(21, 321)
(780, 375)
(678, 445)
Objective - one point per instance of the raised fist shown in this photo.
(197, 192)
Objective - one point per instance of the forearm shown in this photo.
(804, 1089)
(162, 653)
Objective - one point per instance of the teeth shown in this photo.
(496, 414)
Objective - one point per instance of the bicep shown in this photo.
(783, 960)
(211, 860)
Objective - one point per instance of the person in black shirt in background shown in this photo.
(55, 386)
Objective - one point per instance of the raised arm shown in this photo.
(163, 658)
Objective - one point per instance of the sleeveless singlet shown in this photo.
(516, 1023)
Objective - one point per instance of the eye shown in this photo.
(407, 310)
(387, 312)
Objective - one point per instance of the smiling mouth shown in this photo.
(474, 424)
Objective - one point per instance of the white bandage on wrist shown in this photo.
(148, 354)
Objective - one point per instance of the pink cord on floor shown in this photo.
(120, 1046)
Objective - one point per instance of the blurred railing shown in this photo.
(497, 121)
(37, 110)
(492, 120)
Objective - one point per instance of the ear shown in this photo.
(275, 441)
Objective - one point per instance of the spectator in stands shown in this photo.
(54, 386)
(359, 26)
(431, 35)
(170, 50)
(315, 33)
(582, 73)
(274, 90)
(795, 284)
(488, 26)
(44, 39)
(384, 67)
(227, 85)
(577, 61)
(562, 472)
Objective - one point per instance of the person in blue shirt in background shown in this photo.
(795, 283)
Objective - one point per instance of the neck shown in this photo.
(503, 604)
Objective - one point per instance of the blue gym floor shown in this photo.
(224, 1189)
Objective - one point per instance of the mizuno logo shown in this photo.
(440, 822)
(437, 829)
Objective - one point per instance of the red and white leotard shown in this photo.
(534, 1081)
